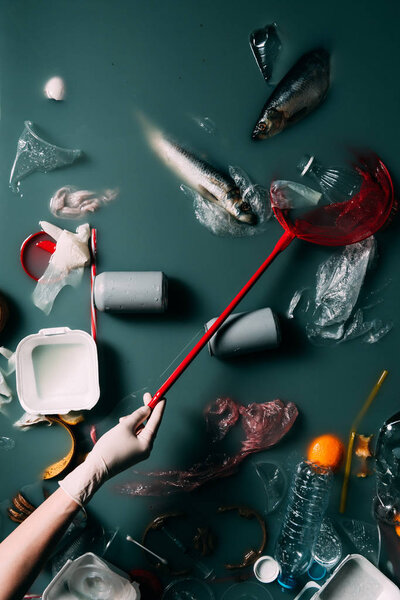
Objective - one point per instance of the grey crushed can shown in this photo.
(245, 333)
(131, 291)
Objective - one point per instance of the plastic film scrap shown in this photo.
(291, 195)
(339, 281)
(71, 203)
(266, 46)
(263, 426)
(5, 371)
(66, 264)
(219, 221)
(35, 154)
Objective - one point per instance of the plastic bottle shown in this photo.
(308, 499)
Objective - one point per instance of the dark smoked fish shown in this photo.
(302, 89)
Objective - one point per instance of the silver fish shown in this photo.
(201, 176)
(302, 89)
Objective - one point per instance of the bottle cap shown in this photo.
(266, 569)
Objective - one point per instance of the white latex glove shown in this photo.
(121, 447)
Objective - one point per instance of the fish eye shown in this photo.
(245, 206)
(262, 126)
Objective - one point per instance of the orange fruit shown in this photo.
(326, 451)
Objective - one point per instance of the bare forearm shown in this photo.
(24, 552)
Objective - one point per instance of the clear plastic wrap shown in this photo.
(219, 221)
(5, 391)
(337, 183)
(263, 426)
(339, 281)
(291, 195)
(35, 154)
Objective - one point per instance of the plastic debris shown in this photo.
(339, 281)
(219, 221)
(365, 537)
(6, 443)
(27, 420)
(71, 203)
(291, 195)
(220, 417)
(387, 462)
(337, 183)
(298, 302)
(206, 124)
(5, 391)
(35, 154)
(266, 45)
(263, 425)
(328, 548)
(55, 89)
(66, 264)
(378, 331)
(275, 484)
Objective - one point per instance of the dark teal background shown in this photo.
(175, 61)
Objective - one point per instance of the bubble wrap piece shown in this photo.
(339, 281)
(66, 264)
(70, 203)
(35, 154)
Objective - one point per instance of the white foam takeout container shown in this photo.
(58, 588)
(355, 578)
(57, 371)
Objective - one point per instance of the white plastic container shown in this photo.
(59, 587)
(355, 578)
(57, 371)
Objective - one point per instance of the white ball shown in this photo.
(55, 88)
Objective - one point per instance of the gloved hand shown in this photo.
(124, 445)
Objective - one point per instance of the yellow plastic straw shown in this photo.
(352, 436)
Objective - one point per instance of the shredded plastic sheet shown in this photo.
(291, 195)
(5, 391)
(35, 154)
(71, 203)
(297, 301)
(365, 537)
(266, 46)
(66, 264)
(274, 481)
(219, 221)
(263, 426)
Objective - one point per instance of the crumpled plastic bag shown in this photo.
(263, 426)
(66, 264)
(339, 281)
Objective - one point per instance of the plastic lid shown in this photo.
(266, 569)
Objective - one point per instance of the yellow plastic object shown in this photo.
(326, 451)
(353, 431)
(59, 466)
